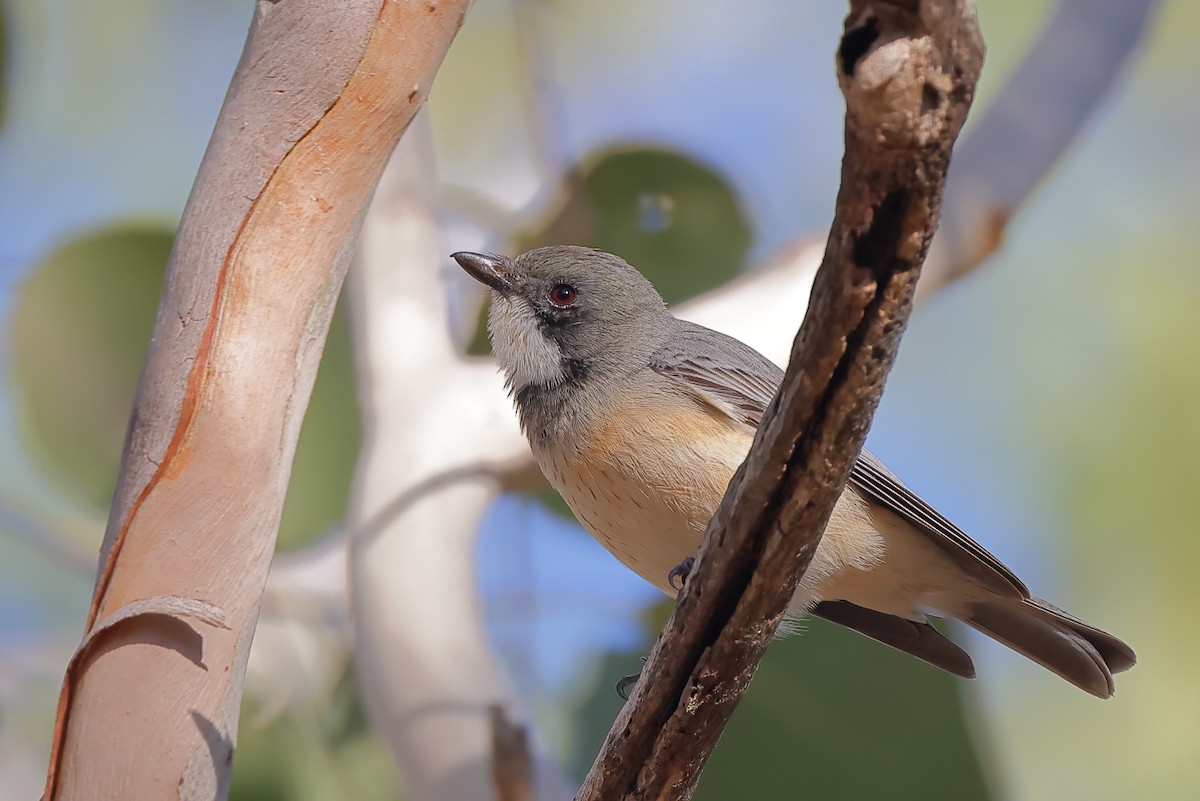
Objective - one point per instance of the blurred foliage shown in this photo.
(831, 714)
(1122, 443)
(844, 717)
(674, 218)
(80, 329)
(324, 752)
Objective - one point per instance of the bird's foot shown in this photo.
(681, 572)
(627, 683)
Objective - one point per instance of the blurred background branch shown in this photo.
(1067, 74)
(431, 419)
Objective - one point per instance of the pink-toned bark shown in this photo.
(150, 701)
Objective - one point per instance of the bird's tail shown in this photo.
(1082, 654)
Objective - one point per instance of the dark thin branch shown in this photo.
(908, 71)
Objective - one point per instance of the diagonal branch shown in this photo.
(1034, 119)
(908, 72)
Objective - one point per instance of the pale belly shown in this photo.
(648, 505)
(646, 493)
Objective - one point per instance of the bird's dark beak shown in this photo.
(495, 271)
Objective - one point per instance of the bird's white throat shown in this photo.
(524, 352)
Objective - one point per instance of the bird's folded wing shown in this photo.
(875, 481)
(725, 373)
(740, 382)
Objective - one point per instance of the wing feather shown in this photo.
(740, 382)
(873, 478)
(721, 371)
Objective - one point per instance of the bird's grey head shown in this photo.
(563, 314)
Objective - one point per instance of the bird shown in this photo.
(639, 420)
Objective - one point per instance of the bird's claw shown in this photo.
(680, 573)
(627, 683)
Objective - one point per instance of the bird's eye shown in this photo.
(563, 295)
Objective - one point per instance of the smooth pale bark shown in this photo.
(432, 457)
(151, 699)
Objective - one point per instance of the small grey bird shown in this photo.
(639, 420)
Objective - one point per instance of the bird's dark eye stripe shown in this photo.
(550, 321)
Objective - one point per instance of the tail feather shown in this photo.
(1116, 654)
(1083, 655)
(918, 638)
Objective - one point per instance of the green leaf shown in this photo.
(81, 328)
(674, 218)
